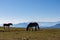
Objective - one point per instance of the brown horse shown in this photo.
(7, 25)
(31, 25)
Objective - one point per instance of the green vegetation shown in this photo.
(22, 34)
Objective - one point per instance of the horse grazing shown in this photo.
(7, 25)
(31, 25)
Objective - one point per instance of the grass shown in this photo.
(22, 34)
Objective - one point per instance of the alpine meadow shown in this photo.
(29, 19)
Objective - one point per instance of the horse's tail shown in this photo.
(38, 27)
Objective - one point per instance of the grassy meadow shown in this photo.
(22, 34)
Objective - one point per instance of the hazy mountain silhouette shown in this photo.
(21, 25)
(55, 26)
(41, 24)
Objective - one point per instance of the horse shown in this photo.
(31, 25)
(7, 25)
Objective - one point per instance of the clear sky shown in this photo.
(17, 11)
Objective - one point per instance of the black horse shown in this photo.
(31, 25)
(7, 25)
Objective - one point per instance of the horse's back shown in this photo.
(32, 24)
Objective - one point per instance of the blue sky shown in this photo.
(17, 11)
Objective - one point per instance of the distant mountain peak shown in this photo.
(41, 24)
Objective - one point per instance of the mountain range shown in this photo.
(55, 26)
(41, 25)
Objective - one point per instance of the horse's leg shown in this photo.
(32, 29)
(8, 28)
(4, 28)
(35, 28)
(38, 27)
(27, 28)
